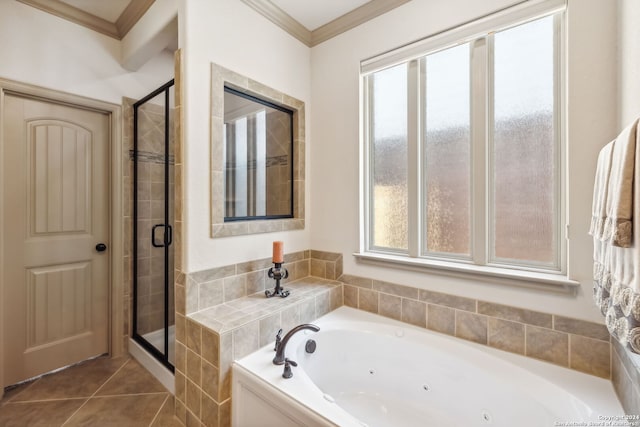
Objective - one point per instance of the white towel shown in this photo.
(616, 253)
(619, 202)
(600, 188)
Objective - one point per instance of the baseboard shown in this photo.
(156, 368)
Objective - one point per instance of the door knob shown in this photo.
(101, 247)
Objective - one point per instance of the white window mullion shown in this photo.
(480, 114)
(422, 161)
(413, 157)
(561, 141)
(367, 159)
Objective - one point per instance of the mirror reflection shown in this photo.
(258, 143)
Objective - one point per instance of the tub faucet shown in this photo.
(282, 345)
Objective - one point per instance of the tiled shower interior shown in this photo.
(279, 159)
(150, 165)
(258, 160)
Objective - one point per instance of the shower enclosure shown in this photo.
(153, 207)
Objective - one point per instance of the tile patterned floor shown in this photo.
(100, 392)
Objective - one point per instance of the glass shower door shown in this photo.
(153, 313)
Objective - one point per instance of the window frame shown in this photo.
(290, 115)
(479, 35)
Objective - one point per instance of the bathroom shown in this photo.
(602, 65)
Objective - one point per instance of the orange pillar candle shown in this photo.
(278, 252)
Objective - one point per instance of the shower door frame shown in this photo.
(162, 357)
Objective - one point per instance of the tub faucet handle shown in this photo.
(280, 348)
(287, 368)
(278, 339)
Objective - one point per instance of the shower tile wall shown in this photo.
(179, 276)
(151, 205)
(127, 208)
(152, 178)
(278, 164)
(219, 77)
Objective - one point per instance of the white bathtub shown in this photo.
(373, 371)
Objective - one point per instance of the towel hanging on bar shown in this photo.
(619, 201)
(600, 188)
(616, 291)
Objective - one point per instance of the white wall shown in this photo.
(629, 60)
(335, 155)
(157, 28)
(41, 49)
(234, 36)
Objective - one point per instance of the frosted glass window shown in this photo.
(388, 127)
(447, 150)
(464, 149)
(524, 212)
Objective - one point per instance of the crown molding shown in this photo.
(281, 18)
(70, 13)
(352, 19)
(127, 19)
(137, 8)
(331, 29)
(132, 14)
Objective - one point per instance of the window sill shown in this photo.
(543, 281)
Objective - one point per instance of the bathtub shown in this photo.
(368, 370)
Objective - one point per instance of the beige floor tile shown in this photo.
(78, 381)
(38, 414)
(131, 379)
(165, 417)
(102, 392)
(13, 391)
(118, 411)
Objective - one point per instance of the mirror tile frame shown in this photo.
(220, 77)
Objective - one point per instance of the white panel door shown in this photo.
(55, 175)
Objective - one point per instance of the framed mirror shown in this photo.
(257, 157)
(258, 152)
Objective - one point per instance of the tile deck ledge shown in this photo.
(234, 314)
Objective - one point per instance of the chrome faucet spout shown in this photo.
(282, 345)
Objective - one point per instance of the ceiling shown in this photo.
(109, 11)
(113, 18)
(315, 13)
(311, 21)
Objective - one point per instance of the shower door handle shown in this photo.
(167, 236)
(163, 242)
(153, 237)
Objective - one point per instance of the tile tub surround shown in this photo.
(625, 376)
(219, 285)
(230, 317)
(572, 343)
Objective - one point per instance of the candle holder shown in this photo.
(277, 272)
